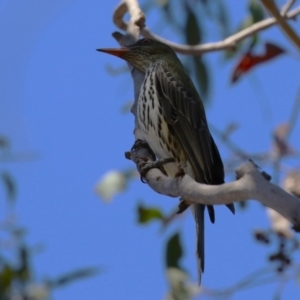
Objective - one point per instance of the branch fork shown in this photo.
(137, 26)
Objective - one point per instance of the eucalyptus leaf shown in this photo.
(256, 11)
(202, 79)
(174, 251)
(192, 28)
(72, 276)
(148, 214)
(6, 278)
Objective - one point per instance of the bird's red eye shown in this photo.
(146, 41)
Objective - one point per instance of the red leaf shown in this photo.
(249, 60)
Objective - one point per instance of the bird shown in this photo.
(172, 119)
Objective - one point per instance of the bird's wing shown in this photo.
(185, 115)
(184, 112)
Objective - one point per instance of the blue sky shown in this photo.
(59, 103)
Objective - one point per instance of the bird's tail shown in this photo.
(199, 218)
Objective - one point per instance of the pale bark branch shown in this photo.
(118, 15)
(137, 17)
(286, 28)
(229, 42)
(250, 185)
(286, 7)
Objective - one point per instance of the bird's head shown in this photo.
(143, 53)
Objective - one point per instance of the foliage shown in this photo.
(198, 19)
(17, 280)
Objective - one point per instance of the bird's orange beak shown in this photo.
(119, 52)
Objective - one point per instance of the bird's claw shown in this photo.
(152, 165)
(138, 144)
(148, 161)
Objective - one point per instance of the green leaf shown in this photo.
(9, 185)
(201, 77)
(23, 272)
(222, 18)
(192, 28)
(242, 46)
(256, 11)
(248, 21)
(6, 278)
(147, 214)
(256, 14)
(174, 251)
(72, 276)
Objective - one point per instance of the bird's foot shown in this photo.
(147, 159)
(156, 164)
(139, 144)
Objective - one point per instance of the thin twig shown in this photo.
(286, 7)
(137, 17)
(200, 49)
(118, 15)
(231, 145)
(287, 29)
(255, 279)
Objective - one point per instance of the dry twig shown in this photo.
(286, 7)
(280, 18)
(229, 42)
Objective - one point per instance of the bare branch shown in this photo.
(257, 278)
(136, 14)
(286, 7)
(137, 17)
(118, 15)
(200, 49)
(251, 184)
(287, 29)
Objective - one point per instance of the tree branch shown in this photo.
(137, 17)
(250, 184)
(280, 18)
(286, 7)
(229, 42)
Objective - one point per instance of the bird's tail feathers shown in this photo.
(199, 218)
